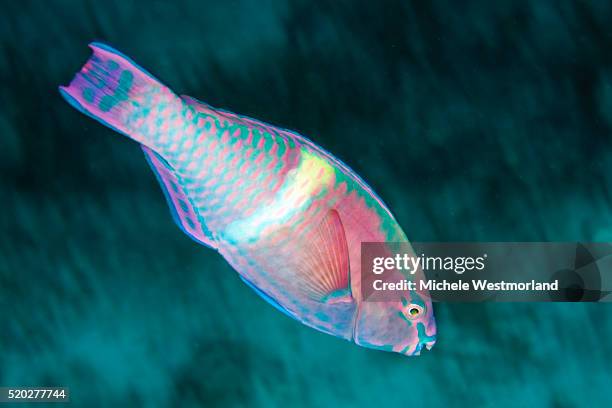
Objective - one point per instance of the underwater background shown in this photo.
(474, 121)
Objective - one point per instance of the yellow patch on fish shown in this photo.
(295, 194)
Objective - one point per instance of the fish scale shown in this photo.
(288, 216)
(216, 157)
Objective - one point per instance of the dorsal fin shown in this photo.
(183, 211)
(322, 265)
(224, 114)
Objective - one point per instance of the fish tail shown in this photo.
(115, 91)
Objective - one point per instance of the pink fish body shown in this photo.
(288, 216)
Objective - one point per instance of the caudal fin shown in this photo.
(114, 90)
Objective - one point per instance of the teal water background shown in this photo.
(474, 121)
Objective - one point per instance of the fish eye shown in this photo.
(413, 311)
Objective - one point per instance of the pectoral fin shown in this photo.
(323, 263)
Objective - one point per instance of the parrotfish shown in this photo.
(287, 215)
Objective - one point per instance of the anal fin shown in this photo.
(183, 211)
(266, 297)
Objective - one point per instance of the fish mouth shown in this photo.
(426, 341)
(423, 346)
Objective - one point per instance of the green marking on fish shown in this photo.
(121, 92)
(125, 81)
(88, 95)
(256, 137)
(403, 316)
(269, 141)
(423, 337)
(106, 103)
